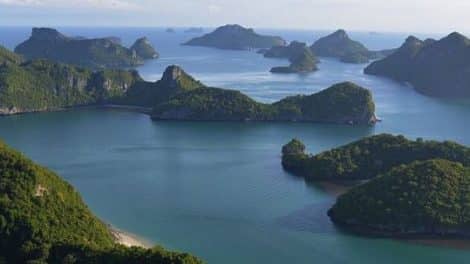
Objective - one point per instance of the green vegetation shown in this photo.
(435, 68)
(371, 156)
(236, 37)
(341, 103)
(44, 220)
(46, 43)
(42, 85)
(144, 49)
(422, 198)
(9, 57)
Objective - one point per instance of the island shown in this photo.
(367, 158)
(43, 219)
(434, 68)
(301, 61)
(340, 45)
(343, 103)
(236, 37)
(47, 43)
(42, 85)
(422, 199)
(144, 49)
(170, 30)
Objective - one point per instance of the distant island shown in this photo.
(340, 45)
(43, 219)
(422, 199)
(144, 49)
(435, 68)
(367, 158)
(47, 43)
(236, 37)
(344, 103)
(300, 56)
(170, 30)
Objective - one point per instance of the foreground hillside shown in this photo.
(44, 220)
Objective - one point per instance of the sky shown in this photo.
(427, 16)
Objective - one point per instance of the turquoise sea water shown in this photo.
(218, 190)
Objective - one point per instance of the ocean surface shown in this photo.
(218, 190)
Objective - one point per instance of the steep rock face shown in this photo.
(236, 37)
(423, 198)
(46, 43)
(144, 49)
(436, 68)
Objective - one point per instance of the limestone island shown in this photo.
(47, 43)
(422, 199)
(236, 37)
(144, 49)
(435, 68)
(194, 30)
(344, 103)
(340, 45)
(367, 158)
(301, 58)
(43, 219)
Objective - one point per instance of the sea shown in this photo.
(217, 189)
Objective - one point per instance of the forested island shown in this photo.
(301, 58)
(343, 103)
(236, 37)
(435, 68)
(340, 45)
(48, 43)
(42, 85)
(428, 198)
(368, 157)
(44, 220)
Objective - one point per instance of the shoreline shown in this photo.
(128, 239)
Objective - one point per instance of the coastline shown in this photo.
(129, 240)
(131, 108)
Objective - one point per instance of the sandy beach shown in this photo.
(129, 240)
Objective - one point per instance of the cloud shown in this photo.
(84, 4)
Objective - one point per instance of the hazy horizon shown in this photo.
(421, 16)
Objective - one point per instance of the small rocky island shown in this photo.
(340, 45)
(300, 56)
(344, 103)
(236, 37)
(435, 68)
(429, 199)
(367, 158)
(47, 43)
(144, 49)
(43, 219)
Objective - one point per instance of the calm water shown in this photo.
(217, 189)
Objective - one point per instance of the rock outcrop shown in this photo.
(144, 49)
